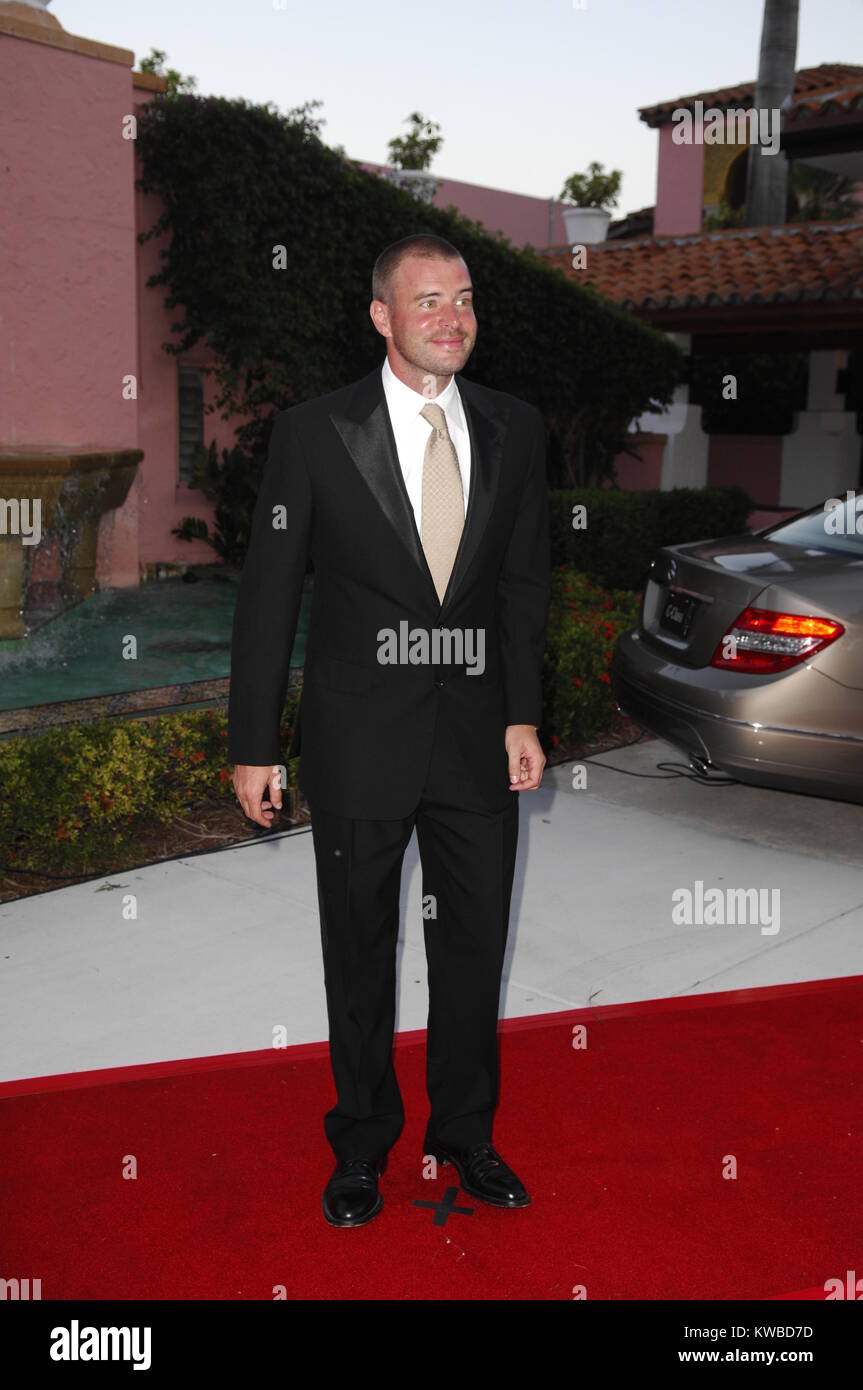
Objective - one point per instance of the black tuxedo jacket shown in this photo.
(365, 731)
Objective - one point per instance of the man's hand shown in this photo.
(526, 758)
(258, 790)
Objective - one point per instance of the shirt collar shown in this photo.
(406, 404)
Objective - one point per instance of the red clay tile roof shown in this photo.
(794, 263)
(827, 89)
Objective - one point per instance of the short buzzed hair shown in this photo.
(424, 244)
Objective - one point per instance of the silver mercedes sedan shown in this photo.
(749, 653)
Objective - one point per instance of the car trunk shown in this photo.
(695, 592)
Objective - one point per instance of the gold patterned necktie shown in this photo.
(442, 500)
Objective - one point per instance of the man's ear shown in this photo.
(380, 317)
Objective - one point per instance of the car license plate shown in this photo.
(677, 613)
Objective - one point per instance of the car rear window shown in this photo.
(828, 529)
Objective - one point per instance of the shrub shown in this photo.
(104, 782)
(583, 622)
(625, 529)
(596, 188)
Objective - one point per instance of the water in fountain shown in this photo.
(182, 632)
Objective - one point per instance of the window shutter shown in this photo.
(190, 382)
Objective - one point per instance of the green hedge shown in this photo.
(625, 529)
(236, 180)
(109, 781)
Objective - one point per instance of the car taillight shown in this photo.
(767, 641)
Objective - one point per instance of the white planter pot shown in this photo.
(585, 226)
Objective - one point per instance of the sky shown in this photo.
(525, 93)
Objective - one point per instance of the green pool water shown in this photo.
(183, 633)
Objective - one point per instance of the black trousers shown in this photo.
(468, 861)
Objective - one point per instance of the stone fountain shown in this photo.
(52, 500)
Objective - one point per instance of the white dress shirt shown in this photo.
(412, 432)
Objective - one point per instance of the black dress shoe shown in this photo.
(483, 1174)
(351, 1197)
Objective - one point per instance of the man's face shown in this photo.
(430, 320)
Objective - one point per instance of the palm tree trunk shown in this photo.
(767, 174)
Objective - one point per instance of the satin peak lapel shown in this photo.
(366, 432)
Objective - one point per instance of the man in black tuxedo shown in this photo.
(421, 500)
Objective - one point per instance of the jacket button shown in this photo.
(439, 684)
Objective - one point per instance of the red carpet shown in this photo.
(622, 1146)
